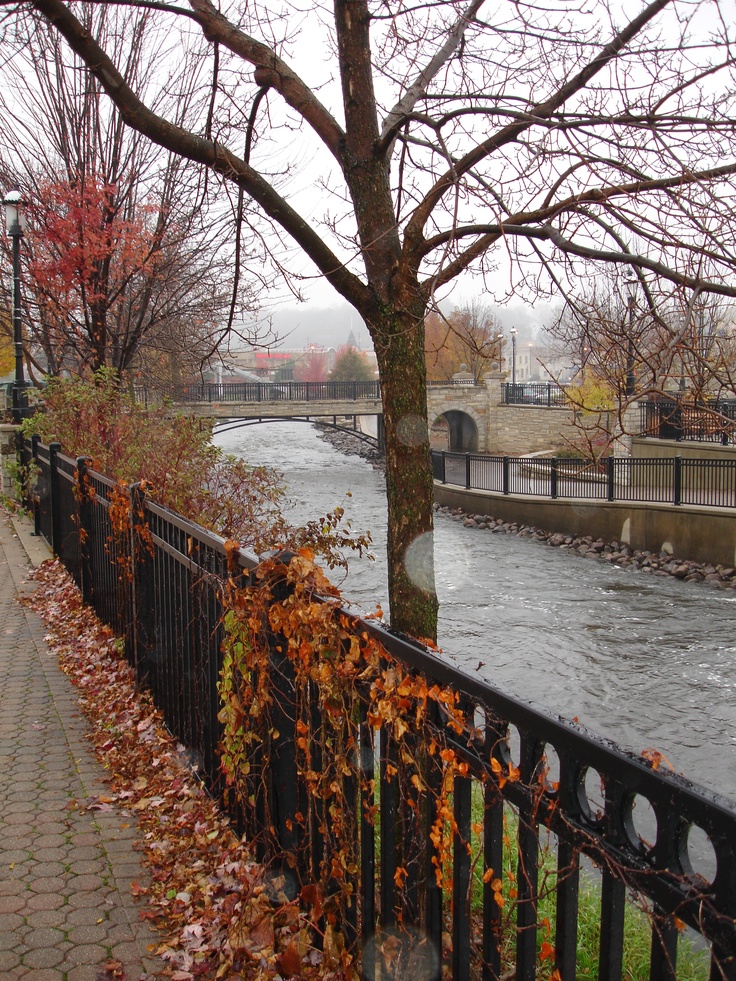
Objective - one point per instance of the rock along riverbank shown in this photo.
(617, 553)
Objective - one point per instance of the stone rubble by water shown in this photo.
(617, 553)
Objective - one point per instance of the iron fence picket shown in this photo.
(42, 491)
(567, 890)
(495, 741)
(367, 855)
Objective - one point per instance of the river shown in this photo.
(647, 661)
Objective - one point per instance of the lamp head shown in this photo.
(14, 218)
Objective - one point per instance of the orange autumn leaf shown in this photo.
(546, 951)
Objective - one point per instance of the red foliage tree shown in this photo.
(312, 366)
(86, 257)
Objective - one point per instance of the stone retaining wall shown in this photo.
(690, 533)
(7, 455)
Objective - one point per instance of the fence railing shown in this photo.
(709, 422)
(277, 391)
(534, 393)
(668, 481)
(544, 818)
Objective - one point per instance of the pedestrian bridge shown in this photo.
(248, 403)
(463, 416)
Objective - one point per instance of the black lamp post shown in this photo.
(14, 224)
(513, 333)
(630, 375)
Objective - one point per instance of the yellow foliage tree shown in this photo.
(7, 354)
(591, 395)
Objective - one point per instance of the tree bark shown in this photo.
(399, 344)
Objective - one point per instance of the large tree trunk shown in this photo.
(399, 344)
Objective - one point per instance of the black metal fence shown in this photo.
(534, 393)
(548, 819)
(668, 481)
(708, 422)
(277, 391)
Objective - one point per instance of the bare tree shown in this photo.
(649, 345)
(128, 266)
(561, 135)
(469, 337)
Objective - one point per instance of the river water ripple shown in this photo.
(647, 661)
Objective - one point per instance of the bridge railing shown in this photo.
(676, 480)
(283, 391)
(489, 875)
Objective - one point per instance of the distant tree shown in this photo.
(637, 345)
(351, 365)
(311, 366)
(470, 336)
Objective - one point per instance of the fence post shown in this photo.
(142, 630)
(54, 450)
(444, 466)
(467, 471)
(677, 481)
(611, 475)
(35, 440)
(505, 475)
(553, 474)
(85, 528)
(381, 434)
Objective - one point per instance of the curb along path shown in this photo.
(66, 911)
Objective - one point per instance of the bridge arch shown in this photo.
(460, 430)
(225, 425)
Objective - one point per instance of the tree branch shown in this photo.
(180, 141)
(540, 111)
(418, 88)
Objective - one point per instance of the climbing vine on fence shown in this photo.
(287, 621)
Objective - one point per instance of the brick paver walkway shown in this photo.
(65, 904)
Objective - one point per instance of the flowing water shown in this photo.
(647, 661)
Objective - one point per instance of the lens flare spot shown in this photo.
(412, 431)
(281, 887)
(419, 562)
(405, 953)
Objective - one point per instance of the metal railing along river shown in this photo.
(676, 480)
(535, 802)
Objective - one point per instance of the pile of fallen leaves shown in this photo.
(221, 914)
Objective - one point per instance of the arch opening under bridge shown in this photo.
(457, 429)
(228, 424)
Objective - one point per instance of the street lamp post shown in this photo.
(13, 204)
(630, 375)
(513, 333)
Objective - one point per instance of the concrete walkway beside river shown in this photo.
(66, 911)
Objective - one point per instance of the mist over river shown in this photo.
(647, 661)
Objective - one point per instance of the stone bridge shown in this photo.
(463, 416)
